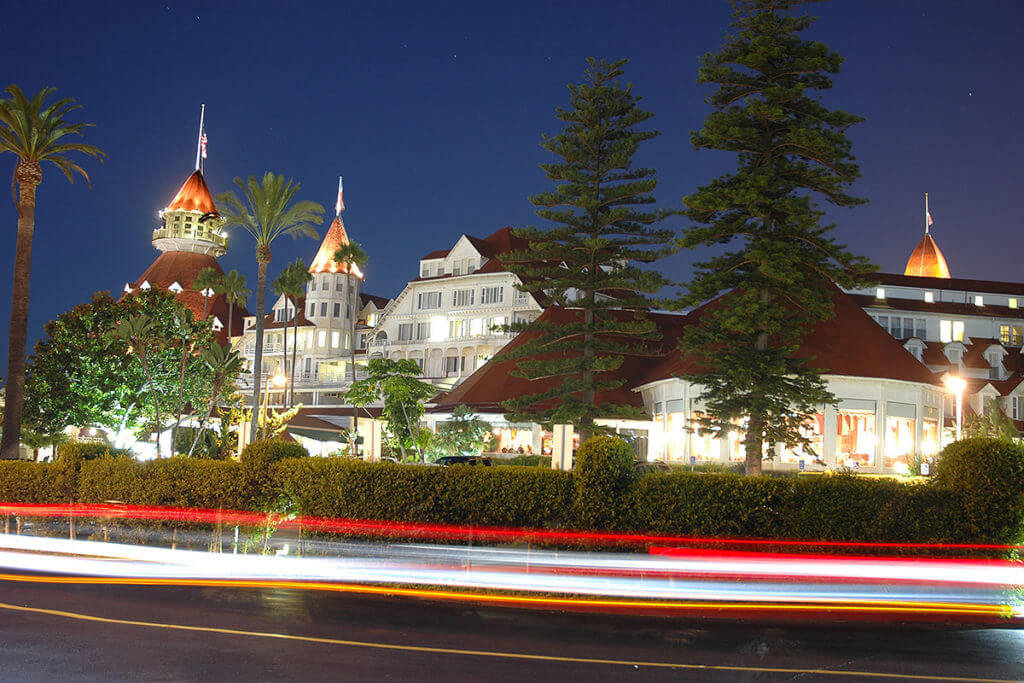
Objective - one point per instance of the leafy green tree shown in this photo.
(268, 213)
(144, 342)
(352, 257)
(291, 283)
(397, 384)
(464, 434)
(235, 293)
(993, 423)
(34, 132)
(208, 282)
(78, 375)
(591, 257)
(778, 275)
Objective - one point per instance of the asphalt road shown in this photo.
(227, 634)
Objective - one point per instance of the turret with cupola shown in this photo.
(191, 221)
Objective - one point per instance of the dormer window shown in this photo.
(217, 325)
(1012, 303)
(954, 355)
(144, 285)
(128, 288)
(880, 292)
(175, 287)
(979, 300)
(929, 297)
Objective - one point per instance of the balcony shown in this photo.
(191, 232)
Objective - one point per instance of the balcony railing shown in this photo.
(192, 232)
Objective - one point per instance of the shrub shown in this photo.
(79, 451)
(604, 474)
(524, 460)
(24, 481)
(506, 496)
(270, 451)
(989, 476)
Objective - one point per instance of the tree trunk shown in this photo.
(15, 389)
(284, 351)
(231, 311)
(295, 346)
(257, 363)
(589, 395)
(753, 442)
(156, 405)
(181, 395)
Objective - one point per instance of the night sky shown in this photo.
(433, 113)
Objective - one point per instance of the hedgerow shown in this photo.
(963, 505)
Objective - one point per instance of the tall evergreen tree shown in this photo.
(590, 258)
(790, 150)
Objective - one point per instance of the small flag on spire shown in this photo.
(927, 215)
(340, 206)
(202, 144)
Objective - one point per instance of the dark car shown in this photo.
(463, 460)
(650, 467)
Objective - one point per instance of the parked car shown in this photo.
(642, 467)
(463, 460)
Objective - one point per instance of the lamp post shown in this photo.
(957, 386)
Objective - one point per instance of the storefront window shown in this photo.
(814, 430)
(930, 432)
(855, 433)
(900, 433)
(703, 446)
(676, 433)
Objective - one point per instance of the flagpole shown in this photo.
(199, 141)
(926, 213)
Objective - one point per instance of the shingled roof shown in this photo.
(194, 195)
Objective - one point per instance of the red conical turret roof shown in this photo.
(324, 261)
(194, 195)
(927, 260)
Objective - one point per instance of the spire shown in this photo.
(194, 195)
(324, 261)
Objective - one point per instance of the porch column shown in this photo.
(561, 447)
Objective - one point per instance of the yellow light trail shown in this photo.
(876, 607)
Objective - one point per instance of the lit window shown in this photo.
(958, 330)
(945, 331)
(1012, 303)
(492, 295)
(455, 328)
(321, 338)
(476, 327)
(979, 300)
(335, 339)
(1017, 336)
(929, 297)
(880, 293)
(1004, 334)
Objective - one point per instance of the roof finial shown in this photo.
(340, 205)
(200, 147)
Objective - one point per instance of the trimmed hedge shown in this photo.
(961, 507)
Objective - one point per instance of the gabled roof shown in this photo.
(850, 343)
(379, 301)
(194, 195)
(183, 267)
(270, 321)
(494, 382)
(324, 261)
(927, 260)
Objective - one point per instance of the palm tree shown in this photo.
(268, 213)
(293, 284)
(352, 256)
(34, 132)
(234, 291)
(225, 365)
(207, 283)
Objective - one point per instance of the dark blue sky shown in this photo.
(433, 112)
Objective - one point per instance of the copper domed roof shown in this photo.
(194, 195)
(927, 260)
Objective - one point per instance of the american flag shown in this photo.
(928, 215)
(340, 206)
(202, 144)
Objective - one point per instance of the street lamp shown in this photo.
(957, 386)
